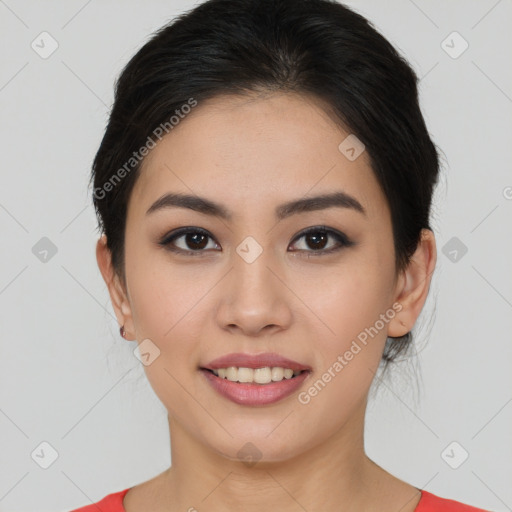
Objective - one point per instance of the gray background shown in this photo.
(69, 380)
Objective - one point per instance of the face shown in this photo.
(252, 282)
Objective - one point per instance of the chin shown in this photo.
(258, 451)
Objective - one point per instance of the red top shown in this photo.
(428, 503)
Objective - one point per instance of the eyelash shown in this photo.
(341, 238)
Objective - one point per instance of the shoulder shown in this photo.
(110, 503)
(431, 503)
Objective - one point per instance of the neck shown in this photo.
(333, 475)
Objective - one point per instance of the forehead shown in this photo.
(248, 152)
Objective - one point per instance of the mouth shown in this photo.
(255, 380)
(255, 387)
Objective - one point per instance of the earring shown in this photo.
(122, 331)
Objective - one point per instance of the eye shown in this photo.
(193, 238)
(317, 237)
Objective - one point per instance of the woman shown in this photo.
(264, 188)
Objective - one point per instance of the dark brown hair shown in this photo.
(316, 47)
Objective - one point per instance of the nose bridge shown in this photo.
(251, 267)
(255, 299)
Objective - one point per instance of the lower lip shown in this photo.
(244, 393)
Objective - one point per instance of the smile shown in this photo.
(241, 386)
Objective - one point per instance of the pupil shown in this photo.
(193, 237)
(314, 236)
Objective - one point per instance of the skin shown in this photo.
(251, 154)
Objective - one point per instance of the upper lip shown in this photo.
(242, 360)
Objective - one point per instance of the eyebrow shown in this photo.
(208, 207)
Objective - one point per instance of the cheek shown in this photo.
(165, 306)
(347, 298)
(166, 309)
(351, 303)
(163, 296)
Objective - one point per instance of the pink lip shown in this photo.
(255, 361)
(244, 393)
(250, 393)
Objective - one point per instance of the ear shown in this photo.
(413, 285)
(118, 294)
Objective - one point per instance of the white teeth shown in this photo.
(232, 373)
(262, 375)
(258, 375)
(277, 374)
(245, 375)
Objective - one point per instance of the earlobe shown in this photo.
(413, 285)
(116, 291)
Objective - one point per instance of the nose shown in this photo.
(254, 298)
